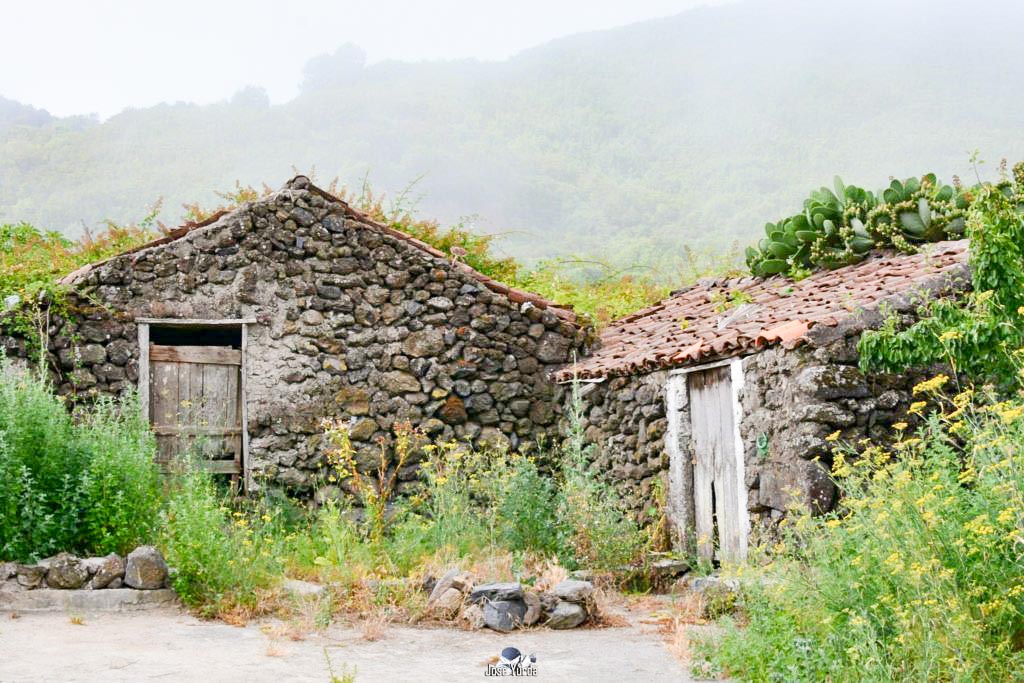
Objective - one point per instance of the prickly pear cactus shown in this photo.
(840, 227)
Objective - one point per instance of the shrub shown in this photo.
(920, 574)
(121, 484)
(224, 557)
(453, 500)
(377, 492)
(90, 487)
(527, 510)
(980, 333)
(599, 533)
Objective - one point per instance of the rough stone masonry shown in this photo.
(353, 320)
(791, 400)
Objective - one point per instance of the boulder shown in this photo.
(669, 567)
(30, 576)
(447, 603)
(566, 615)
(486, 592)
(572, 590)
(105, 569)
(706, 584)
(446, 596)
(453, 578)
(66, 571)
(473, 617)
(504, 615)
(398, 382)
(453, 411)
(145, 569)
(362, 430)
(533, 608)
(552, 348)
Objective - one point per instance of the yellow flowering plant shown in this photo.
(919, 573)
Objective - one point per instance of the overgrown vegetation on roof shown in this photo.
(33, 260)
(841, 227)
(982, 334)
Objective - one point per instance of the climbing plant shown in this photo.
(981, 334)
(841, 226)
(32, 261)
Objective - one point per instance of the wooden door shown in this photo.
(195, 402)
(719, 499)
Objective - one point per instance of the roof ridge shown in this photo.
(303, 183)
(518, 296)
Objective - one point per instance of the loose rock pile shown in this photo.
(143, 569)
(507, 606)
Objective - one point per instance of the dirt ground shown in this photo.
(169, 645)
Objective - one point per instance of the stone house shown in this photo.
(728, 389)
(250, 328)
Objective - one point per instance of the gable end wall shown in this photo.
(352, 322)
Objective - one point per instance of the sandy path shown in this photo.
(168, 645)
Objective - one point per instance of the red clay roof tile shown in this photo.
(692, 326)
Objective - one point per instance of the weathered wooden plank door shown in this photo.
(719, 499)
(195, 401)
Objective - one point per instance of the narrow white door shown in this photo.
(719, 496)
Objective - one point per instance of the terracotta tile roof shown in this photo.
(699, 324)
(515, 295)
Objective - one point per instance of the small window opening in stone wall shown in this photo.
(230, 336)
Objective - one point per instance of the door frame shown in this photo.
(681, 461)
(197, 323)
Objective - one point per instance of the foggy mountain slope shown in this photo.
(629, 143)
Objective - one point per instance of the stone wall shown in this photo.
(791, 400)
(352, 321)
(624, 420)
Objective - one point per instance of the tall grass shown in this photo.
(226, 552)
(918, 576)
(87, 483)
(87, 486)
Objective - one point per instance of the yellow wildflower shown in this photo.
(963, 398)
(929, 385)
(1009, 416)
(917, 406)
(834, 436)
(900, 426)
(949, 335)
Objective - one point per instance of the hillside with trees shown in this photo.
(628, 144)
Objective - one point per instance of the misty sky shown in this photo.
(74, 57)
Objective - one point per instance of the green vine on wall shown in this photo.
(981, 334)
(32, 261)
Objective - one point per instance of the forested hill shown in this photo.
(628, 144)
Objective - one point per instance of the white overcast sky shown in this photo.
(100, 56)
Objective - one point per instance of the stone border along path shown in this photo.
(110, 600)
(169, 645)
